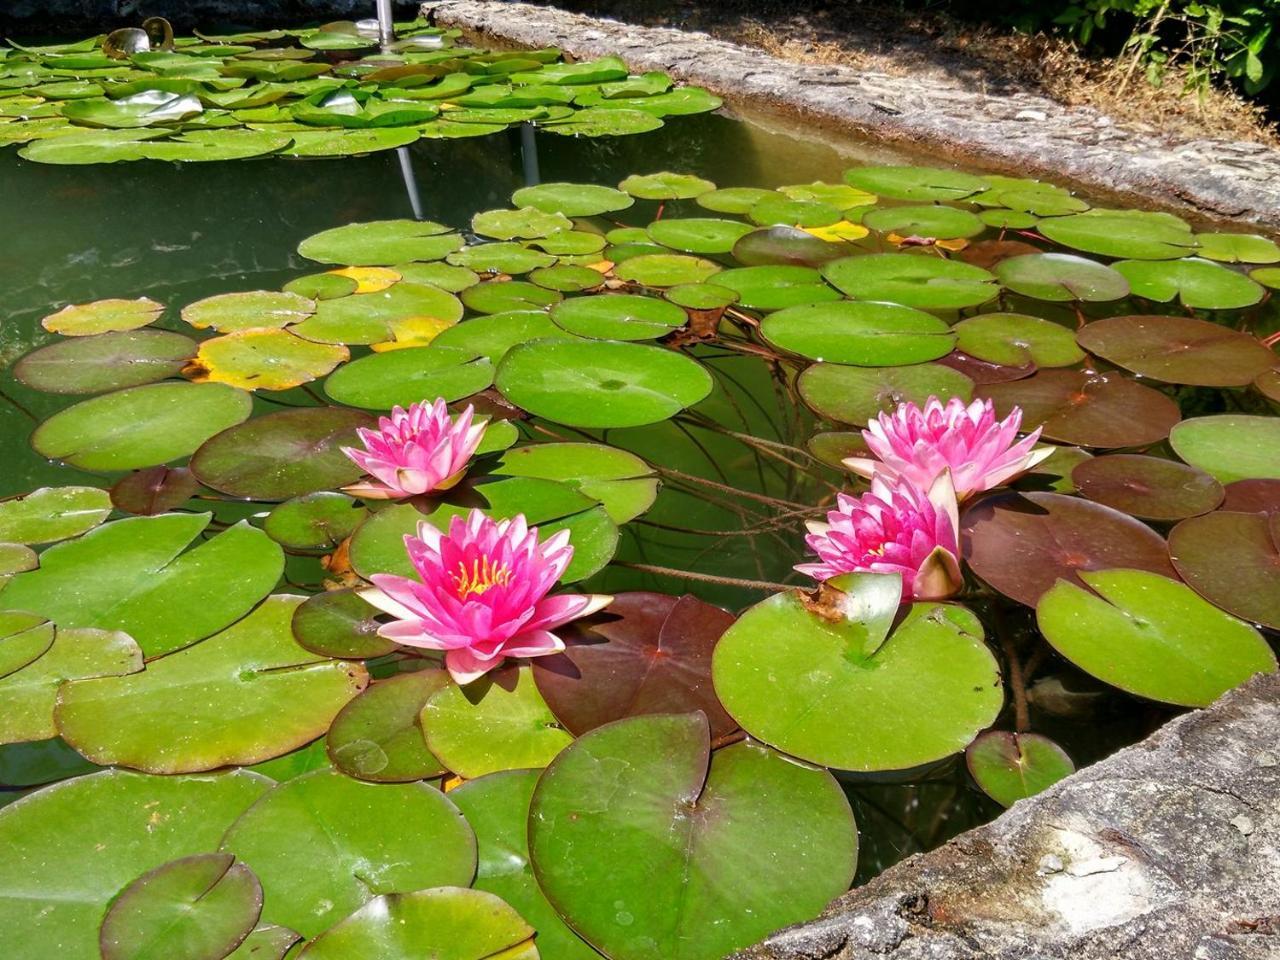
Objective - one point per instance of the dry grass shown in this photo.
(886, 40)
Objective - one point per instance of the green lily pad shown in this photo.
(450, 923)
(567, 278)
(144, 109)
(244, 695)
(340, 623)
(365, 318)
(73, 846)
(600, 384)
(283, 455)
(571, 243)
(229, 312)
(1233, 561)
(732, 199)
(628, 861)
(842, 196)
(924, 282)
(698, 235)
(103, 316)
(200, 907)
(140, 426)
(1147, 487)
(666, 269)
(51, 514)
(402, 377)
(1230, 446)
(603, 122)
(494, 335)
(377, 839)
(132, 575)
(107, 361)
(1015, 340)
(523, 224)
(1195, 282)
(23, 638)
(572, 199)
(376, 737)
(343, 143)
(623, 483)
(941, 223)
(778, 209)
(915, 183)
(380, 243)
(499, 722)
(1114, 233)
(1152, 637)
(442, 275)
(700, 296)
(266, 942)
(38, 762)
(1237, 248)
(665, 186)
(861, 333)
(859, 394)
(1013, 766)
(618, 317)
(314, 522)
(509, 258)
(776, 286)
(1062, 277)
(322, 286)
(508, 295)
(845, 718)
(497, 807)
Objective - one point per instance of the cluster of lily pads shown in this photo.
(285, 776)
(140, 94)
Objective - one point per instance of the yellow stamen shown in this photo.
(480, 577)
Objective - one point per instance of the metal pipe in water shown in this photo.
(410, 182)
(386, 26)
(529, 154)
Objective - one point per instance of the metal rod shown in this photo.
(529, 154)
(386, 26)
(410, 182)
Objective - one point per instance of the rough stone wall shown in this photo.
(1009, 131)
(66, 17)
(1168, 850)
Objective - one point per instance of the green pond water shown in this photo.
(179, 233)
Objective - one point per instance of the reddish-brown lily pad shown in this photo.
(980, 371)
(646, 653)
(1233, 561)
(154, 490)
(1087, 410)
(1253, 496)
(1178, 350)
(1268, 385)
(1021, 544)
(1147, 487)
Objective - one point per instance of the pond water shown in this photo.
(180, 233)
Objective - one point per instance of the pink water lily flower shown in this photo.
(482, 593)
(895, 528)
(415, 451)
(980, 451)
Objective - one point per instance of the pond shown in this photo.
(674, 368)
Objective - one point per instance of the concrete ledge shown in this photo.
(1020, 133)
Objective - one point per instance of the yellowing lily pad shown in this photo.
(103, 316)
(265, 359)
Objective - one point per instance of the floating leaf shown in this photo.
(572, 199)
(776, 287)
(1062, 277)
(666, 269)
(339, 623)
(103, 316)
(283, 455)
(380, 243)
(322, 286)
(915, 183)
(131, 575)
(700, 296)
(404, 377)
(600, 384)
(342, 143)
(1252, 496)
(1233, 561)
(264, 360)
(314, 522)
(938, 222)
(928, 283)
(231, 312)
(1016, 340)
(1195, 282)
(619, 480)
(636, 863)
(140, 426)
(200, 907)
(494, 335)
(698, 235)
(778, 209)
(365, 318)
(1230, 446)
(665, 186)
(618, 317)
(51, 514)
(73, 846)
(1147, 487)
(1023, 544)
(106, 361)
(523, 224)
(511, 258)
(39, 762)
(154, 490)
(377, 839)
(859, 394)
(509, 295)
(863, 333)
(1013, 766)
(788, 246)
(376, 737)
(567, 278)
(649, 653)
(1151, 636)
(732, 199)
(1114, 233)
(1237, 248)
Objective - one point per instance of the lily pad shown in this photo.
(1230, 446)
(938, 222)
(380, 243)
(1114, 233)
(365, 318)
(51, 514)
(404, 377)
(779, 209)
(523, 224)
(103, 316)
(512, 258)
(1194, 282)
(928, 283)
(1023, 544)
(623, 483)
(322, 286)
(494, 335)
(314, 522)
(701, 296)
(23, 638)
(1062, 277)
(861, 333)
(140, 426)
(1151, 636)
(376, 737)
(732, 199)
(666, 269)
(859, 394)
(340, 623)
(499, 722)
(343, 143)
(665, 186)
(567, 278)
(283, 455)
(154, 490)
(377, 839)
(131, 575)
(200, 907)
(229, 312)
(1233, 561)
(264, 360)
(600, 384)
(106, 361)
(632, 866)
(508, 295)
(572, 199)
(915, 183)
(618, 317)
(1013, 766)
(776, 286)
(1087, 410)
(1015, 340)
(698, 234)
(1237, 248)
(1147, 487)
